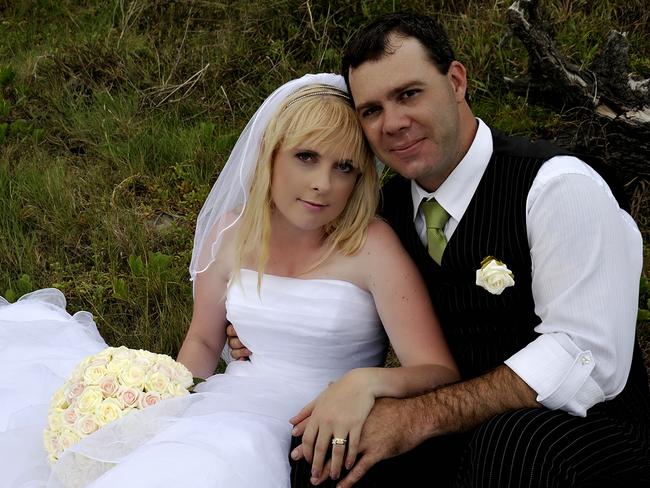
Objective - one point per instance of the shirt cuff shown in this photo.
(560, 378)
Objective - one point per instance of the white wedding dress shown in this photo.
(234, 432)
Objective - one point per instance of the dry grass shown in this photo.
(115, 117)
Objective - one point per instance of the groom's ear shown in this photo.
(348, 83)
(457, 75)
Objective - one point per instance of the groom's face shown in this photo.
(409, 111)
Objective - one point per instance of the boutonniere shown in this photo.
(494, 276)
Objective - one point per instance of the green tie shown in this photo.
(435, 217)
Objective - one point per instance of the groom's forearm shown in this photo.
(464, 405)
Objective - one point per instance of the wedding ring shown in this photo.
(338, 441)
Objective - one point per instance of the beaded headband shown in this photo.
(333, 93)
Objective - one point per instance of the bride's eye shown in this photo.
(345, 166)
(306, 156)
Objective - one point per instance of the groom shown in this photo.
(547, 399)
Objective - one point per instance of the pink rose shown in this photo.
(109, 386)
(70, 415)
(128, 397)
(86, 425)
(74, 390)
(148, 399)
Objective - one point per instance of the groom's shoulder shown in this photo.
(394, 191)
(524, 147)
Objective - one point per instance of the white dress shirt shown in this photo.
(586, 257)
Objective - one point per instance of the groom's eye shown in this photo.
(409, 93)
(367, 112)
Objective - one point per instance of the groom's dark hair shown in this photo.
(370, 43)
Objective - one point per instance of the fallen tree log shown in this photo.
(609, 105)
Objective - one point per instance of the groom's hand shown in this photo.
(386, 433)
(238, 351)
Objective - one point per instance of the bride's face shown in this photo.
(311, 184)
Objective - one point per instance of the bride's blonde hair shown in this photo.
(320, 114)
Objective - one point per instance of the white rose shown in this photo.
(94, 374)
(133, 376)
(55, 419)
(177, 390)
(157, 382)
(175, 371)
(117, 365)
(145, 355)
(121, 353)
(89, 400)
(98, 362)
(162, 368)
(67, 438)
(183, 376)
(86, 425)
(106, 354)
(59, 399)
(143, 359)
(107, 411)
(79, 368)
(51, 442)
(494, 276)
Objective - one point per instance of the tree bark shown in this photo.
(611, 106)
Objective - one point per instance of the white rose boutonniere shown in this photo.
(494, 276)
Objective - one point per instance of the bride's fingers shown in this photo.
(300, 428)
(308, 440)
(320, 451)
(338, 453)
(303, 414)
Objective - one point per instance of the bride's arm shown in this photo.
(405, 309)
(207, 332)
(406, 312)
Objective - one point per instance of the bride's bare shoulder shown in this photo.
(380, 237)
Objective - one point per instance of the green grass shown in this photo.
(116, 116)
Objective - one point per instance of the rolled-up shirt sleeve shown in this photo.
(586, 262)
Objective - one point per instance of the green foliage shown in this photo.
(7, 75)
(116, 117)
(5, 107)
(13, 127)
(18, 288)
(644, 300)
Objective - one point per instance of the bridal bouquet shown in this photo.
(107, 386)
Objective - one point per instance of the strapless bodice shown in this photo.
(303, 329)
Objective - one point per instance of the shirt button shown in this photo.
(585, 359)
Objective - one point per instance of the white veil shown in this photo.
(230, 191)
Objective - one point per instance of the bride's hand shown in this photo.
(338, 412)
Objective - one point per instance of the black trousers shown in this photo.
(401, 471)
(525, 448)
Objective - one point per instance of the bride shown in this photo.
(287, 248)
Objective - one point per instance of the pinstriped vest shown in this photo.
(482, 329)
